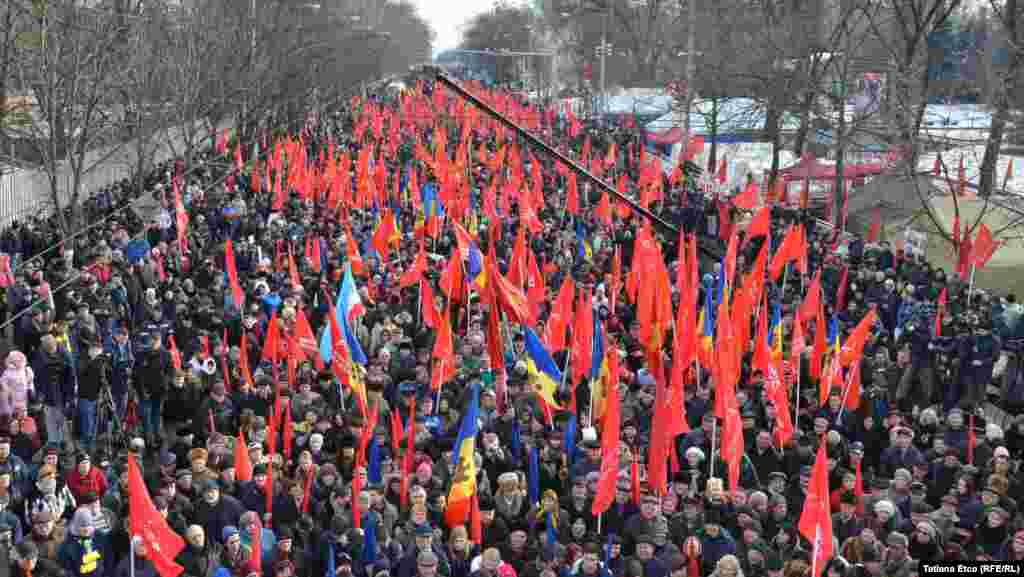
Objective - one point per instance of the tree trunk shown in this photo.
(805, 123)
(772, 133)
(839, 187)
(1002, 94)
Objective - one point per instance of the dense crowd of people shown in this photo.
(122, 346)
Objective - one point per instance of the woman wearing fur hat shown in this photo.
(16, 384)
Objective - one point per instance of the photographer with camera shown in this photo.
(93, 378)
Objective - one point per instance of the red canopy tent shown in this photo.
(810, 169)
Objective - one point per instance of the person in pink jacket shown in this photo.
(17, 384)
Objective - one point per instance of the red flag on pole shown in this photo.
(816, 518)
(243, 465)
(940, 311)
(875, 231)
(984, 247)
(162, 543)
(609, 446)
(229, 263)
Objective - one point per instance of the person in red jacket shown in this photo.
(85, 478)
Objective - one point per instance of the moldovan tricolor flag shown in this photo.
(816, 519)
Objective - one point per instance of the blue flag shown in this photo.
(517, 443)
(570, 443)
(373, 470)
(330, 562)
(369, 539)
(534, 480)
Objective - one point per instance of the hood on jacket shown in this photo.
(16, 360)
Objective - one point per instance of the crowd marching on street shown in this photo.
(403, 342)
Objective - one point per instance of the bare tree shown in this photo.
(70, 58)
(1010, 16)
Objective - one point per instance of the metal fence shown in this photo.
(26, 192)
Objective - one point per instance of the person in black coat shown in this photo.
(55, 385)
(216, 511)
(152, 376)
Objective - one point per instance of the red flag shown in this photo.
(724, 221)
(760, 225)
(272, 350)
(1009, 172)
(451, 279)
(609, 444)
(816, 518)
(229, 263)
(747, 200)
(937, 165)
(941, 310)
(175, 353)
(314, 259)
(964, 259)
(572, 203)
(243, 465)
(414, 273)
(972, 440)
(810, 305)
(180, 218)
(354, 258)
(984, 247)
(307, 492)
(308, 347)
(293, 271)
(798, 343)
(146, 522)
(853, 348)
(430, 315)
(778, 394)
(875, 230)
(476, 530)
(732, 444)
(604, 210)
(288, 435)
(820, 344)
(792, 248)
(723, 171)
(397, 432)
(558, 321)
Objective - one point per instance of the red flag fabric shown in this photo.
(288, 434)
(841, 291)
(964, 258)
(476, 530)
(724, 221)
(430, 314)
(984, 247)
(760, 225)
(940, 311)
(816, 518)
(272, 350)
(853, 347)
(937, 165)
(875, 230)
(558, 321)
(243, 465)
(162, 543)
(293, 271)
(747, 200)
(175, 353)
(792, 248)
(799, 342)
(229, 264)
(180, 218)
